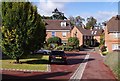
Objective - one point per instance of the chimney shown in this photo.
(117, 17)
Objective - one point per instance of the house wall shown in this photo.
(78, 35)
(97, 38)
(58, 34)
(110, 40)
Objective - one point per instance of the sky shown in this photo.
(102, 11)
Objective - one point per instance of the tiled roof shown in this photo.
(94, 32)
(56, 25)
(113, 24)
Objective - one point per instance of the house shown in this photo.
(59, 28)
(86, 37)
(112, 34)
(98, 34)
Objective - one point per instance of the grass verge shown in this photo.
(113, 61)
(32, 62)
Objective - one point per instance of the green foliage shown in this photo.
(65, 48)
(22, 29)
(56, 40)
(104, 52)
(103, 48)
(78, 21)
(90, 23)
(58, 15)
(73, 41)
(102, 39)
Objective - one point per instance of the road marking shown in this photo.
(79, 72)
(48, 68)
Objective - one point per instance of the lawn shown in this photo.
(32, 62)
(113, 61)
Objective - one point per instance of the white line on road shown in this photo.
(79, 72)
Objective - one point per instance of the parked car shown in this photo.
(43, 51)
(58, 56)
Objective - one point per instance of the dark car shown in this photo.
(58, 56)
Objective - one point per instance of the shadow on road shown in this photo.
(73, 61)
(39, 76)
(74, 54)
(42, 61)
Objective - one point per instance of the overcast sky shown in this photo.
(102, 11)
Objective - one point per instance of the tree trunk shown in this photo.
(17, 60)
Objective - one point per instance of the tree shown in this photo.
(78, 21)
(46, 17)
(102, 39)
(72, 20)
(73, 41)
(90, 23)
(56, 40)
(58, 15)
(22, 29)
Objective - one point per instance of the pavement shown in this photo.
(82, 66)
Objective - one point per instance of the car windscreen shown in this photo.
(57, 53)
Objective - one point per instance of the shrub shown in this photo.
(56, 40)
(65, 48)
(74, 42)
(103, 48)
(105, 53)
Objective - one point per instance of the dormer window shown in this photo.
(63, 24)
(92, 32)
(95, 32)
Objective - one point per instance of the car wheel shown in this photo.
(45, 53)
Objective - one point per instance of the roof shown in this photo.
(56, 24)
(113, 24)
(94, 32)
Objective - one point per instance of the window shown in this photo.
(115, 46)
(63, 24)
(64, 34)
(92, 32)
(95, 32)
(116, 35)
(53, 34)
(84, 37)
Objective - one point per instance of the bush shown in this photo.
(56, 40)
(74, 42)
(65, 48)
(103, 48)
(105, 53)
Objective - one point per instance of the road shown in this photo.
(81, 66)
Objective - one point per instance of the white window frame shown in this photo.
(64, 34)
(54, 34)
(63, 24)
(116, 35)
(115, 46)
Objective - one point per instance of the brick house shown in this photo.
(112, 34)
(59, 28)
(86, 37)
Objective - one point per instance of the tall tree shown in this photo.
(22, 29)
(58, 15)
(72, 20)
(78, 21)
(90, 23)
